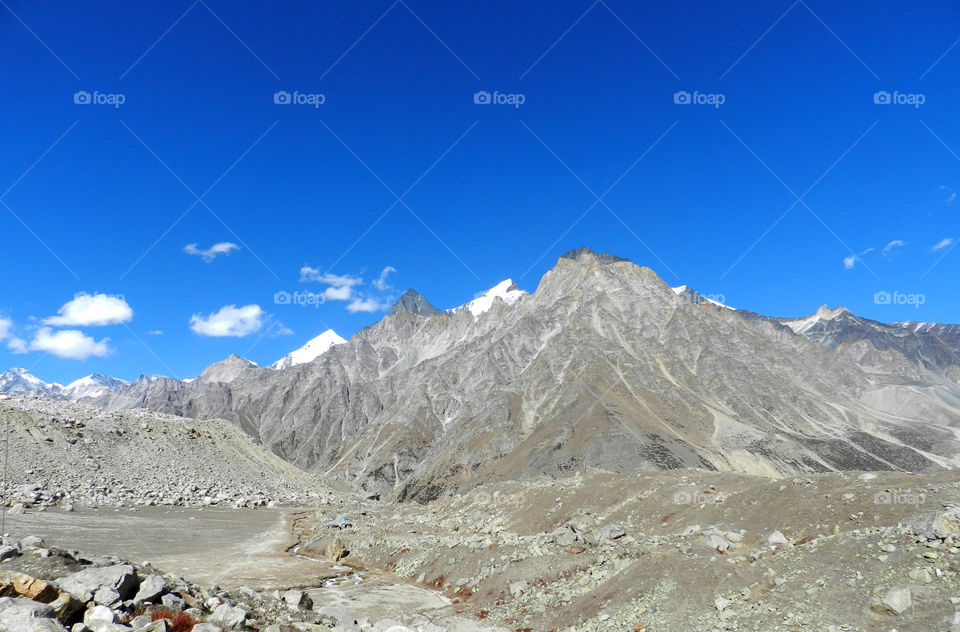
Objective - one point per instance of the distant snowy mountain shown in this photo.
(21, 381)
(93, 385)
(505, 290)
(310, 351)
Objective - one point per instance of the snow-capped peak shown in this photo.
(310, 351)
(91, 386)
(802, 325)
(505, 290)
(21, 381)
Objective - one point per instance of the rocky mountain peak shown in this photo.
(413, 301)
(584, 252)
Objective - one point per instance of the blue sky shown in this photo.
(104, 198)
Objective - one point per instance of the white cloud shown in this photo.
(155, 332)
(211, 253)
(313, 275)
(68, 343)
(892, 247)
(15, 344)
(92, 310)
(341, 293)
(943, 243)
(848, 262)
(365, 305)
(381, 283)
(229, 320)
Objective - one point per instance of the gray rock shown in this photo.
(228, 616)
(151, 588)
(896, 600)
(7, 551)
(298, 598)
(31, 541)
(174, 602)
(776, 538)
(140, 622)
(98, 617)
(611, 532)
(83, 584)
(24, 615)
(107, 596)
(205, 627)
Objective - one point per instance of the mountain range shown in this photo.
(605, 367)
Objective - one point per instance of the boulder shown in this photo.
(66, 606)
(895, 601)
(33, 588)
(24, 615)
(83, 584)
(7, 551)
(205, 627)
(174, 602)
(298, 599)
(107, 596)
(98, 617)
(611, 532)
(151, 589)
(228, 616)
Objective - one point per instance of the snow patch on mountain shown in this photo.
(507, 291)
(22, 381)
(310, 351)
(92, 385)
(803, 325)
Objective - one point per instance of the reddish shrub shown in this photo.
(180, 621)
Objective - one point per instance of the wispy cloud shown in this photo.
(349, 288)
(14, 343)
(943, 243)
(86, 310)
(381, 282)
(211, 253)
(893, 248)
(155, 332)
(313, 275)
(849, 262)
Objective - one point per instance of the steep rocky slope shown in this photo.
(604, 366)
